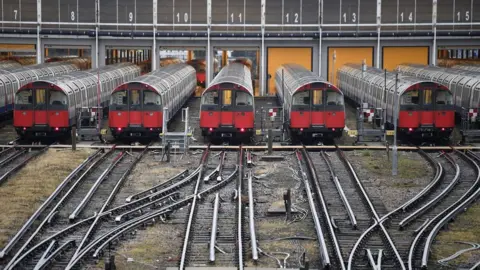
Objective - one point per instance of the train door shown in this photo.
(317, 118)
(40, 106)
(135, 108)
(427, 114)
(226, 115)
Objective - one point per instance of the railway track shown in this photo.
(216, 208)
(13, 159)
(55, 237)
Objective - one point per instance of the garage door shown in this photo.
(279, 56)
(393, 56)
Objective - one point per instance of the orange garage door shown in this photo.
(393, 56)
(346, 55)
(279, 56)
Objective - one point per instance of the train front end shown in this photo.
(42, 110)
(426, 110)
(135, 111)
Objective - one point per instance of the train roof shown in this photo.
(445, 76)
(298, 77)
(161, 79)
(234, 73)
(86, 77)
(377, 76)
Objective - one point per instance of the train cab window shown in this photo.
(134, 98)
(301, 98)
(151, 98)
(333, 97)
(57, 98)
(40, 96)
(427, 97)
(410, 98)
(243, 98)
(227, 97)
(443, 97)
(119, 98)
(210, 98)
(317, 97)
(24, 97)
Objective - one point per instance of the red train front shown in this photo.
(227, 106)
(136, 107)
(315, 107)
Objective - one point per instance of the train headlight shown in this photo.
(443, 129)
(242, 130)
(119, 113)
(410, 129)
(210, 129)
(119, 129)
(56, 129)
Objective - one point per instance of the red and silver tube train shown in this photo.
(12, 79)
(227, 107)
(136, 107)
(314, 107)
(47, 108)
(425, 107)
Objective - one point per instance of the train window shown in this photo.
(57, 98)
(210, 98)
(410, 98)
(301, 98)
(40, 96)
(24, 97)
(119, 98)
(227, 97)
(317, 97)
(334, 98)
(427, 97)
(242, 98)
(151, 98)
(443, 97)
(134, 97)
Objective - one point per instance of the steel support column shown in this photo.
(153, 55)
(39, 41)
(263, 69)
(209, 55)
(320, 33)
(434, 22)
(379, 29)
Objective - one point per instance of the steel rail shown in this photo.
(6, 150)
(251, 212)
(53, 212)
(107, 202)
(318, 228)
(107, 213)
(12, 157)
(213, 235)
(223, 155)
(45, 261)
(23, 163)
(95, 186)
(435, 200)
(45, 204)
(154, 189)
(340, 191)
(359, 242)
(372, 209)
(193, 208)
(436, 179)
(152, 203)
(240, 209)
(462, 203)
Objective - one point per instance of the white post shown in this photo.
(320, 30)
(39, 20)
(395, 119)
(97, 20)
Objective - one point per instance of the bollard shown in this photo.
(288, 204)
(110, 263)
(74, 138)
(270, 141)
